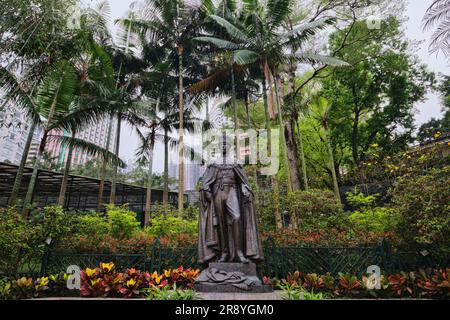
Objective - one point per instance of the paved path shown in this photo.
(276, 295)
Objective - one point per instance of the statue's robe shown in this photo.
(208, 244)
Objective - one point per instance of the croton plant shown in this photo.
(431, 284)
(105, 281)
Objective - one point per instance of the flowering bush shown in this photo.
(433, 284)
(28, 288)
(106, 282)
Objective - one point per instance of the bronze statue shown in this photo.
(227, 220)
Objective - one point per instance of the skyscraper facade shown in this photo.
(14, 130)
(95, 133)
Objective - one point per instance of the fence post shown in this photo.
(269, 249)
(155, 246)
(44, 261)
(386, 254)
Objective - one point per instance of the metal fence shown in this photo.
(278, 260)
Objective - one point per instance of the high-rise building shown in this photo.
(95, 133)
(192, 174)
(14, 130)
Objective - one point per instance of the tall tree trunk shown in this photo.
(18, 180)
(267, 116)
(166, 168)
(249, 126)
(235, 113)
(37, 162)
(355, 138)
(180, 50)
(112, 196)
(103, 170)
(148, 199)
(63, 189)
(290, 131)
(274, 182)
(283, 137)
(332, 167)
(277, 205)
(302, 156)
(247, 110)
(34, 175)
(292, 153)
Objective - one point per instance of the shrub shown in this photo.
(105, 281)
(14, 238)
(316, 209)
(378, 219)
(94, 226)
(167, 293)
(22, 242)
(424, 209)
(429, 283)
(167, 226)
(123, 222)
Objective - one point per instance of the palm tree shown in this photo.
(17, 92)
(50, 109)
(320, 111)
(165, 28)
(259, 39)
(158, 128)
(439, 14)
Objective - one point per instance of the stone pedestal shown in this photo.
(231, 277)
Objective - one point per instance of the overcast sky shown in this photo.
(415, 12)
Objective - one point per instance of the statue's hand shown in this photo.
(206, 196)
(246, 192)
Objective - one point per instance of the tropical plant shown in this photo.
(320, 111)
(165, 29)
(439, 14)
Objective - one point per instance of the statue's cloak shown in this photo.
(208, 243)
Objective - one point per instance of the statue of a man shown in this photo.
(227, 221)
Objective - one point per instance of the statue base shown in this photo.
(231, 277)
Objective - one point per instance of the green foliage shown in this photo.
(369, 218)
(123, 222)
(55, 223)
(93, 225)
(377, 93)
(378, 219)
(294, 292)
(358, 199)
(165, 221)
(422, 202)
(167, 293)
(315, 209)
(428, 283)
(170, 226)
(22, 242)
(14, 237)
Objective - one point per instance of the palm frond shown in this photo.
(245, 57)
(14, 92)
(57, 91)
(90, 148)
(278, 11)
(219, 43)
(437, 12)
(232, 30)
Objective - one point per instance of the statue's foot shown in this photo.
(242, 258)
(224, 257)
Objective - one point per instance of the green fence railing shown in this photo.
(278, 260)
